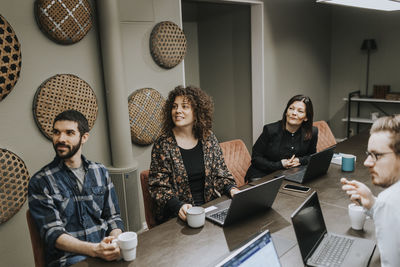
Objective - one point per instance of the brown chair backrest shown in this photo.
(37, 242)
(149, 204)
(325, 135)
(237, 159)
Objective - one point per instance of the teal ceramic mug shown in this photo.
(348, 162)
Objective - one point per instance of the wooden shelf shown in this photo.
(358, 99)
(359, 120)
(371, 100)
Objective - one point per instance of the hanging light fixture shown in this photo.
(385, 5)
(368, 46)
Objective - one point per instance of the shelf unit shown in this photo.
(357, 98)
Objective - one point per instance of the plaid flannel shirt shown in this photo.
(58, 207)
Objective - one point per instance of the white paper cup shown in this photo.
(127, 242)
(128, 254)
(357, 216)
(196, 217)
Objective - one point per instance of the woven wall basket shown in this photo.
(167, 44)
(10, 58)
(145, 114)
(64, 21)
(14, 179)
(59, 93)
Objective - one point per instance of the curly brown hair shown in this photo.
(202, 106)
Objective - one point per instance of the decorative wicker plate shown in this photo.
(59, 93)
(14, 178)
(64, 21)
(145, 113)
(167, 44)
(10, 58)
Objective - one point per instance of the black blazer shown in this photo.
(272, 146)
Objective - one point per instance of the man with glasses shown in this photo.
(383, 162)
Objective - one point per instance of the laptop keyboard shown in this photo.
(333, 251)
(296, 176)
(221, 215)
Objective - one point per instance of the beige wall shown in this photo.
(297, 55)
(224, 63)
(192, 72)
(350, 26)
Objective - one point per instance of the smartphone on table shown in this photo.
(296, 188)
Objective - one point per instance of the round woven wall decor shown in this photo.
(64, 21)
(14, 179)
(145, 114)
(10, 58)
(59, 93)
(167, 44)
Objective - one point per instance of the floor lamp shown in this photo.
(368, 45)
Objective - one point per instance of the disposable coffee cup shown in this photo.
(357, 216)
(348, 162)
(127, 243)
(196, 217)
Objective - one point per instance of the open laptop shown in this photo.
(260, 251)
(318, 164)
(247, 202)
(320, 248)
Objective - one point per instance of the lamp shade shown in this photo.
(369, 45)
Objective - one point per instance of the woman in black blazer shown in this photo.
(286, 143)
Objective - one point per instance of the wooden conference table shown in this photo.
(173, 243)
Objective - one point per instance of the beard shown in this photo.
(71, 149)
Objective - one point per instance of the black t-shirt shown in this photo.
(193, 159)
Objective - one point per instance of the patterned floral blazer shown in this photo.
(168, 177)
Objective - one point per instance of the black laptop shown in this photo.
(260, 251)
(247, 202)
(318, 165)
(320, 248)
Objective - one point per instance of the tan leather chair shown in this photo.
(149, 204)
(325, 135)
(237, 159)
(37, 242)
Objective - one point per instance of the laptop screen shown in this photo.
(260, 251)
(309, 225)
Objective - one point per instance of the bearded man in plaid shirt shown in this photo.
(73, 200)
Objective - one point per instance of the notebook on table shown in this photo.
(245, 203)
(318, 165)
(260, 251)
(320, 248)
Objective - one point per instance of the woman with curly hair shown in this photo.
(187, 167)
(286, 143)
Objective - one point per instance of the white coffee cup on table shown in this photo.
(357, 216)
(127, 243)
(196, 217)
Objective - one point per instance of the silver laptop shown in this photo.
(318, 164)
(260, 251)
(320, 248)
(245, 203)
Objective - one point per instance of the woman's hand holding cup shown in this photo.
(183, 211)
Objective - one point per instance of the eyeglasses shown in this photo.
(376, 156)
